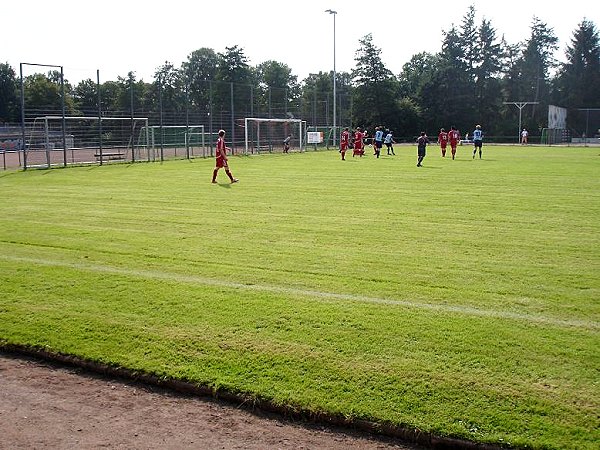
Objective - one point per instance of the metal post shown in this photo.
(23, 119)
(210, 117)
(187, 119)
(520, 105)
(100, 150)
(160, 118)
(232, 120)
(47, 142)
(132, 116)
(334, 13)
(64, 122)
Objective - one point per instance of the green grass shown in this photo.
(461, 298)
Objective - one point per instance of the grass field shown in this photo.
(460, 299)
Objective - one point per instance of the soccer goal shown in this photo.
(176, 141)
(57, 140)
(552, 136)
(274, 135)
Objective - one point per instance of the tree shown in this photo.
(234, 79)
(126, 95)
(409, 119)
(531, 73)
(578, 80)
(376, 88)
(488, 66)
(316, 98)
(9, 97)
(278, 88)
(415, 73)
(44, 94)
(447, 97)
(199, 70)
(85, 96)
(467, 42)
(168, 90)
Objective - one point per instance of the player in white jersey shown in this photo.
(477, 140)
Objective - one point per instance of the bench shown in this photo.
(110, 156)
(262, 148)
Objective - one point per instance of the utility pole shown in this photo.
(520, 105)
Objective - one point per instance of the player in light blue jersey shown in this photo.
(477, 140)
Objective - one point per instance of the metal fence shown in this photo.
(96, 129)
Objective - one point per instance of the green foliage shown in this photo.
(466, 82)
(458, 299)
(578, 83)
(375, 88)
(169, 88)
(9, 97)
(277, 87)
(199, 69)
(46, 91)
(85, 96)
(233, 68)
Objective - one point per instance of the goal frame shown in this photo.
(155, 143)
(48, 146)
(260, 120)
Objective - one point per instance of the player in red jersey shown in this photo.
(443, 141)
(344, 140)
(358, 143)
(221, 156)
(453, 137)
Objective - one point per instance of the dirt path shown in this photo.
(49, 406)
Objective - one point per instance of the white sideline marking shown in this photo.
(194, 279)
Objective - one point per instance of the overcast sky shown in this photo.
(118, 36)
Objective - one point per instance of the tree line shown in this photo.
(466, 83)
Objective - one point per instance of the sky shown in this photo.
(116, 37)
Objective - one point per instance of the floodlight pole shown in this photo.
(334, 13)
(520, 105)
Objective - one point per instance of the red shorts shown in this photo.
(453, 144)
(221, 162)
(344, 146)
(443, 144)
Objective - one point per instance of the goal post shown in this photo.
(552, 136)
(85, 138)
(269, 135)
(185, 139)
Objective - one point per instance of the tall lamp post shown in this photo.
(334, 13)
(520, 105)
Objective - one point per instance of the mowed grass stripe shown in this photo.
(181, 278)
(460, 299)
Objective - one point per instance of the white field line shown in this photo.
(198, 280)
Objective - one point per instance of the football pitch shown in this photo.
(460, 299)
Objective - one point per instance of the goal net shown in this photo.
(50, 140)
(552, 136)
(274, 135)
(175, 141)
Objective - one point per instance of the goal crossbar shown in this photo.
(260, 120)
